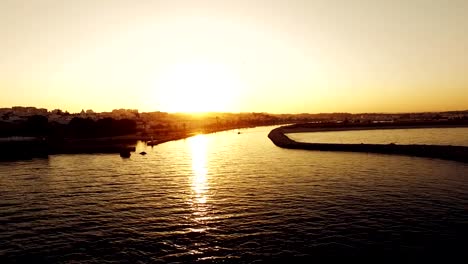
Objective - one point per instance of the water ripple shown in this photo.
(226, 198)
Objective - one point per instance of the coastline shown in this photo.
(11, 150)
(455, 153)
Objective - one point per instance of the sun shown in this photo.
(198, 87)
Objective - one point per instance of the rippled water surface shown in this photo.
(436, 136)
(229, 197)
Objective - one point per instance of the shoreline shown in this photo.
(41, 148)
(446, 152)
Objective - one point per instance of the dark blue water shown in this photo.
(231, 198)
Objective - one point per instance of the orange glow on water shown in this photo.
(199, 182)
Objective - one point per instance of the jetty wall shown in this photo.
(456, 153)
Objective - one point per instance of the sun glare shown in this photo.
(198, 87)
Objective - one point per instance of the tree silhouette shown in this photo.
(36, 125)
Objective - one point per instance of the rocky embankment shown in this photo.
(456, 153)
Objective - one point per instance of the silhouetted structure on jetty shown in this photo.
(456, 153)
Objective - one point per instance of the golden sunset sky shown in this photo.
(239, 56)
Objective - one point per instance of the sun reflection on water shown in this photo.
(199, 179)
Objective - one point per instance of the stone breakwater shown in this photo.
(456, 153)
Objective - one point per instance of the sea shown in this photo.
(234, 197)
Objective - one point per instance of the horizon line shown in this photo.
(240, 112)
